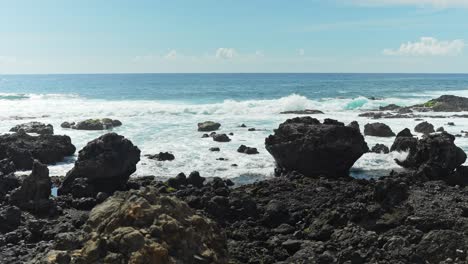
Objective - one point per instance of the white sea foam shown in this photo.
(156, 126)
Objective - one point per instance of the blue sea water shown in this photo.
(160, 112)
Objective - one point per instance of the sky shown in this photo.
(146, 36)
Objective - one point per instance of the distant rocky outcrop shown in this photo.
(34, 127)
(446, 103)
(208, 126)
(22, 149)
(303, 112)
(305, 145)
(378, 130)
(93, 124)
(103, 165)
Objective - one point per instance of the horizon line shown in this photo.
(175, 73)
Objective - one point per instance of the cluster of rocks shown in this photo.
(93, 124)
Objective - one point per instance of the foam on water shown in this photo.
(156, 126)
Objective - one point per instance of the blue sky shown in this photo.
(89, 36)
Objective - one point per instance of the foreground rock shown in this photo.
(93, 124)
(22, 149)
(311, 148)
(208, 126)
(103, 165)
(143, 227)
(404, 141)
(424, 127)
(34, 192)
(162, 156)
(436, 156)
(34, 127)
(378, 130)
(303, 112)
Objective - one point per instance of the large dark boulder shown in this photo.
(34, 127)
(208, 126)
(424, 127)
(378, 130)
(22, 149)
(447, 103)
(404, 141)
(435, 156)
(34, 192)
(105, 164)
(305, 145)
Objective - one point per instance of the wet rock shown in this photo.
(208, 126)
(380, 148)
(205, 136)
(309, 147)
(34, 127)
(243, 125)
(424, 127)
(354, 124)
(404, 141)
(252, 129)
(378, 130)
(247, 150)
(390, 107)
(97, 124)
(22, 149)
(450, 124)
(435, 156)
(303, 112)
(143, 227)
(215, 149)
(67, 124)
(162, 156)
(221, 138)
(440, 129)
(195, 179)
(105, 163)
(34, 192)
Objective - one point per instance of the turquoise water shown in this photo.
(160, 112)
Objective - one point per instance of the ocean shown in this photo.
(160, 112)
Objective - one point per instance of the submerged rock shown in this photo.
(208, 126)
(424, 127)
(378, 130)
(104, 164)
(97, 124)
(34, 127)
(162, 156)
(303, 112)
(22, 149)
(144, 227)
(311, 148)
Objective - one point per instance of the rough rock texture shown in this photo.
(103, 165)
(7, 166)
(305, 145)
(303, 112)
(143, 227)
(435, 157)
(424, 127)
(162, 156)
(378, 130)
(247, 150)
(34, 127)
(208, 126)
(355, 125)
(447, 103)
(96, 124)
(22, 149)
(380, 148)
(404, 141)
(67, 124)
(221, 138)
(34, 192)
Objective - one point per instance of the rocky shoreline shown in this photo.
(312, 212)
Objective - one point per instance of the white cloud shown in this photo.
(433, 3)
(301, 52)
(428, 46)
(172, 54)
(226, 53)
